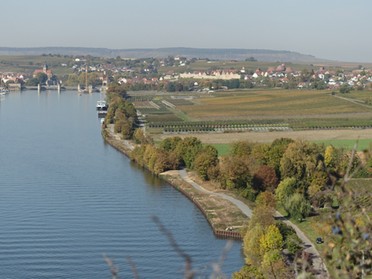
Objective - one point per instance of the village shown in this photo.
(180, 74)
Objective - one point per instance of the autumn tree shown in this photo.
(162, 162)
(248, 272)
(234, 173)
(251, 247)
(266, 199)
(170, 144)
(271, 240)
(117, 89)
(137, 154)
(300, 161)
(275, 153)
(262, 245)
(319, 188)
(175, 155)
(329, 156)
(140, 138)
(188, 149)
(259, 154)
(265, 179)
(207, 158)
(241, 148)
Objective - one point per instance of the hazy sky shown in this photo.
(331, 29)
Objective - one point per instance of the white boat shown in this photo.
(101, 105)
(101, 108)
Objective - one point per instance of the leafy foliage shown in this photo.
(188, 149)
(207, 158)
(122, 114)
(265, 179)
(285, 189)
(298, 206)
(234, 173)
(350, 247)
(262, 245)
(299, 160)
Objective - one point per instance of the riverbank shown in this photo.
(225, 214)
(225, 218)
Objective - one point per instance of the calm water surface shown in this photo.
(67, 198)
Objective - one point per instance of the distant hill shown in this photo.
(210, 53)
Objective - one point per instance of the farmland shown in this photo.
(278, 104)
(259, 115)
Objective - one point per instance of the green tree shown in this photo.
(291, 241)
(271, 240)
(285, 189)
(41, 77)
(171, 87)
(72, 80)
(251, 245)
(137, 154)
(276, 151)
(117, 89)
(32, 82)
(204, 160)
(188, 149)
(298, 206)
(271, 243)
(300, 161)
(318, 183)
(345, 88)
(170, 144)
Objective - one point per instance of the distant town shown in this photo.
(176, 74)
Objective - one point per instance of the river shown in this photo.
(67, 199)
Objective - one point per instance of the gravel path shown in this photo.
(318, 265)
(242, 206)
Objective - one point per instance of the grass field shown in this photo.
(363, 144)
(222, 148)
(358, 95)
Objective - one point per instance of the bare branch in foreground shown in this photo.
(133, 267)
(216, 267)
(113, 269)
(189, 274)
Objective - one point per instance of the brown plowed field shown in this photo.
(313, 135)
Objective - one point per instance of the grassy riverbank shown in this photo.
(220, 214)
